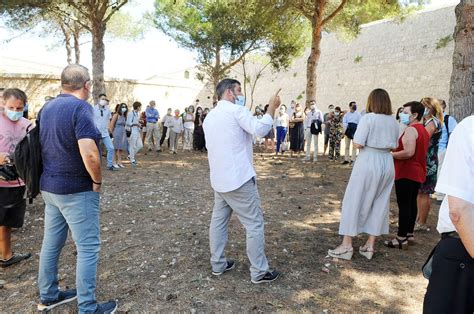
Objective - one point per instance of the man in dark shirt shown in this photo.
(70, 185)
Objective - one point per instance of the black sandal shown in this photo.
(402, 243)
(16, 258)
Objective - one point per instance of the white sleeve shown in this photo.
(129, 119)
(362, 132)
(252, 125)
(457, 174)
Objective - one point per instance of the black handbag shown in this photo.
(427, 268)
(8, 173)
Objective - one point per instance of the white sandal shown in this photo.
(345, 254)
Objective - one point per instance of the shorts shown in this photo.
(12, 207)
(326, 138)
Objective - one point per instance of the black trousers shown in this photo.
(163, 136)
(451, 286)
(406, 191)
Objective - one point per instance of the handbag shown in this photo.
(427, 268)
(8, 173)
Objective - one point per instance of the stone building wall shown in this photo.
(176, 95)
(400, 57)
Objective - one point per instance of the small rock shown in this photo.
(171, 297)
(128, 231)
(325, 269)
(105, 229)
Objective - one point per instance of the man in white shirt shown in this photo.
(451, 284)
(349, 122)
(229, 130)
(315, 118)
(102, 116)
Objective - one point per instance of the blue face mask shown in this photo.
(240, 100)
(14, 115)
(404, 118)
(123, 110)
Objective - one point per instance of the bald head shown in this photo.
(74, 77)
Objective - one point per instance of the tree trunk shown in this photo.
(461, 94)
(67, 43)
(98, 58)
(77, 47)
(313, 61)
(216, 73)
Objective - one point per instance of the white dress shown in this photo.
(366, 203)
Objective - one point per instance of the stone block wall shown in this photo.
(400, 57)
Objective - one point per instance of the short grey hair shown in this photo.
(224, 85)
(74, 76)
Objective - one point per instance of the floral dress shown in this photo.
(335, 137)
(429, 185)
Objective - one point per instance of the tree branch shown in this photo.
(79, 9)
(333, 14)
(299, 5)
(242, 55)
(121, 4)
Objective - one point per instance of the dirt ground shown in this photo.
(155, 251)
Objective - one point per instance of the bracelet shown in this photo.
(97, 183)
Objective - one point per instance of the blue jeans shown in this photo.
(80, 213)
(110, 150)
(281, 134)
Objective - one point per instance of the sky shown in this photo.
(154, 55)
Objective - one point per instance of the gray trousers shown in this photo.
(245, 202)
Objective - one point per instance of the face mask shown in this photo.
(13, 115)
(123, 110)
(240, 100)
(404, 118)
(337, 113)
(103, 102)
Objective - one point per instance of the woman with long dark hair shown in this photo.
(297, 131)
(199, 141)
(117, 126)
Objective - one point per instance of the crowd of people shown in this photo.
(297, 130)
(126, 130)
(409, 151)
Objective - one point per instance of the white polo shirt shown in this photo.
(311, 116)
(229, 131)
(457, 174)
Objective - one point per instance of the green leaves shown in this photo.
(223, 32)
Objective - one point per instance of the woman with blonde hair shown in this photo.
(433, 121)
(366, 202)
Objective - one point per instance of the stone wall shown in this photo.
(171, 94)
(400, 57)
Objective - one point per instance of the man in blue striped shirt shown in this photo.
(152, 127)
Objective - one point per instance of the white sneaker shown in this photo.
(306, 159)
(116, 166)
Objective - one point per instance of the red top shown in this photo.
(414, 168)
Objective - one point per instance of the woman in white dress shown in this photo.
(365, 207)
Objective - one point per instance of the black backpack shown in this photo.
(28, 161)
